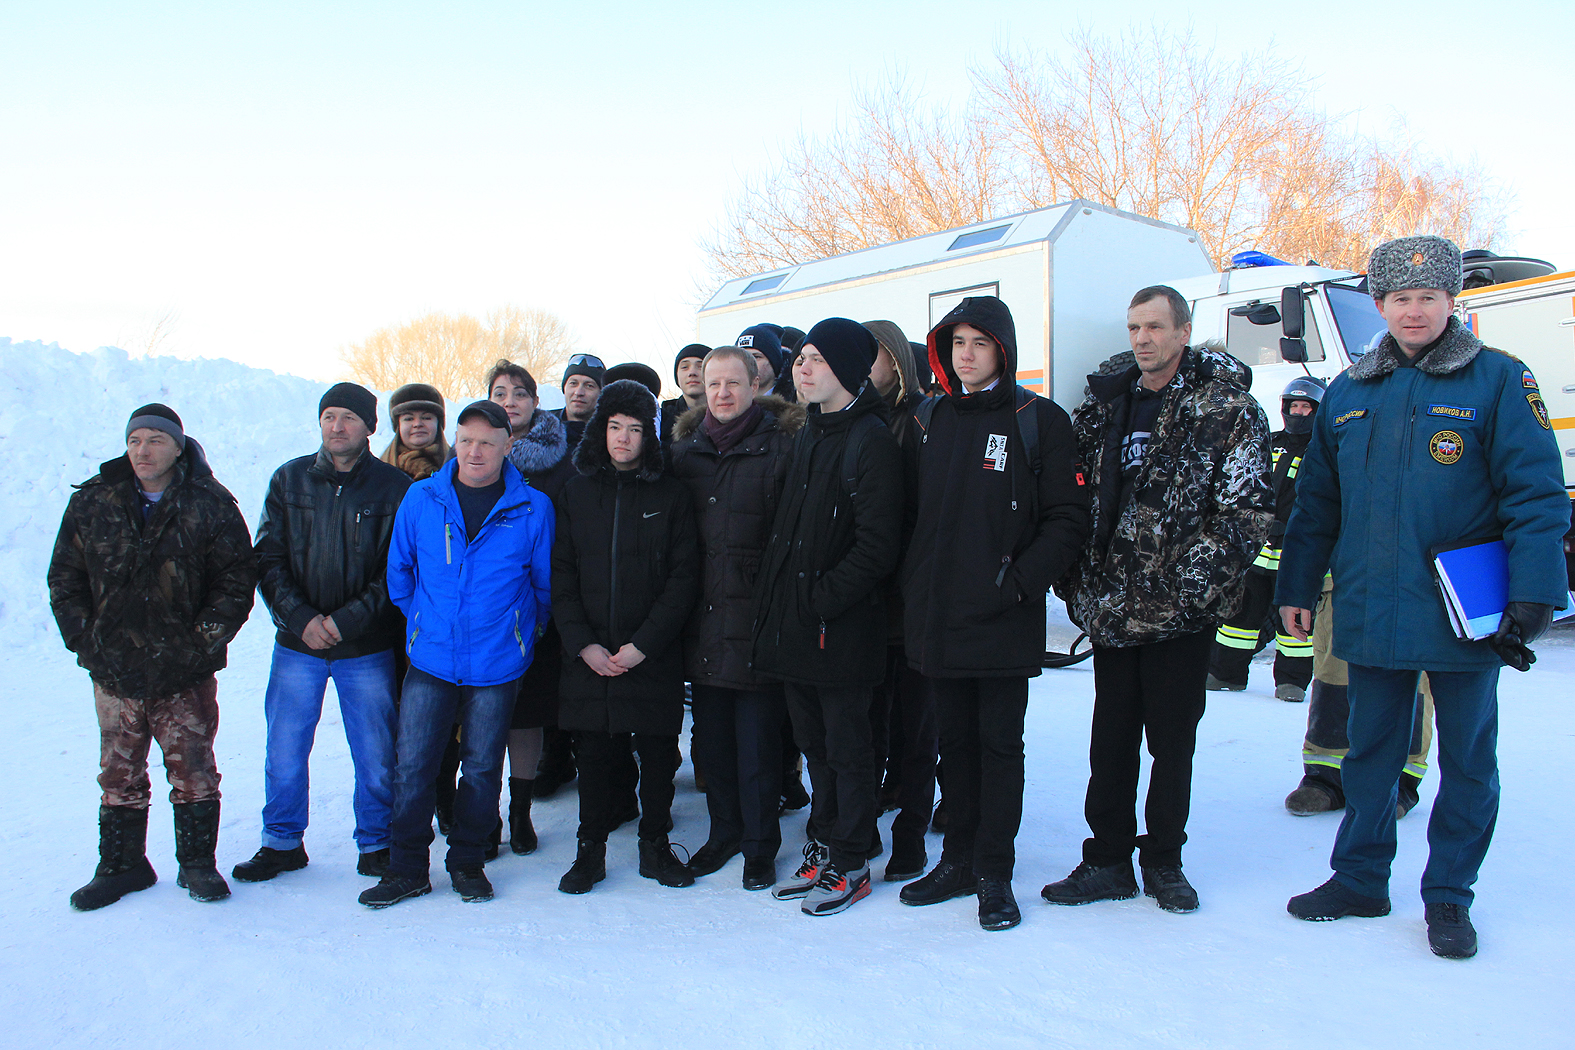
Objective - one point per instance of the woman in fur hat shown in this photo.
(419, 447)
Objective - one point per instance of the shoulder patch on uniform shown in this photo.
(1528, 380)
(1539, 410)
(1452, 411)
(1345, 417)
(1446, 447)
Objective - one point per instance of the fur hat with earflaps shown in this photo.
(622, 398)
(1414, 262)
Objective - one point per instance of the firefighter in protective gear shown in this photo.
(1241, 637)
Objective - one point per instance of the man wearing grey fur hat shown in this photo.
(1431, 439)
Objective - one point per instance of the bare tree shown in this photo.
(454, 351)
(1150, 121)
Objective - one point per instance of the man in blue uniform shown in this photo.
(1430, 439)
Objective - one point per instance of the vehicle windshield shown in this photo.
(1361, 326)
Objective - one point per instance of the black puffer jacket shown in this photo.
(625, 568)
(322, 547)
(735, 498)
(820, 614)
(1169, 556)
(150, 607)
(989, 538)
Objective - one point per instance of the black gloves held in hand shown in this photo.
(1522, 624)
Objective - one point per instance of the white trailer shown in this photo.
(1067, 272)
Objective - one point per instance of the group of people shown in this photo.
(845, 536)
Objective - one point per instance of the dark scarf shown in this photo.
(725, 436)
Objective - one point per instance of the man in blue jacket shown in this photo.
(1430, 439)
(469, 566)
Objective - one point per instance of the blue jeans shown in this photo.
(1465, 706)
(293, 706)
(428, 709)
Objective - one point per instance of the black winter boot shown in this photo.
(122, 858)
(590, 867)
(196, 838)
(522, 833)
(658, 862)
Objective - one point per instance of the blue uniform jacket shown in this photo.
(472, 608)
(1403, 460)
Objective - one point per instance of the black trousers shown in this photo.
(831, 724)
(738, 746)
(1154, 691)
(1255, 625)
(981, 722)
(914, 743)
(603, 795)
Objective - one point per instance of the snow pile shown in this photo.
(63, 414)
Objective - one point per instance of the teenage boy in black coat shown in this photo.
(820, 625)
(992, 531)
(625, 573)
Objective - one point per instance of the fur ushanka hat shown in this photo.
(1414, 262)
(622, 398)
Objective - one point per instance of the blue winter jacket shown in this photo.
(1403, 460)
(472, 608)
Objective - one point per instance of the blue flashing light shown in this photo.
(1244, 259)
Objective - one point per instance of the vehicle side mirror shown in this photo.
(1291, 311)
(1293, 350)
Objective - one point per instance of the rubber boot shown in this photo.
(522, 834)
(196, 838)
(122, 858)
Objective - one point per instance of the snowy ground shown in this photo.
(297, 962)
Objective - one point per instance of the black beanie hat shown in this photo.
(157, 417)
(584, 365)
(645, 375)
(847, 347)
(765, 338)
(792, 339)
(354, 397)
(692, 350)
(416, 397)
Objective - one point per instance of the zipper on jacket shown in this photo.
(448, 543)
(612, 577)
(1006, 563)
(823, 634)
(358, 532)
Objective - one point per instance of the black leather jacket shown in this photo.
(322, 547)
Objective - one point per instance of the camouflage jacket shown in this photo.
(150, 607)
(1169, 553)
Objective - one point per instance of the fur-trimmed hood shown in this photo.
(1455, 350)
(624, 397)
(1199, 365)
(790, 416)
(542, 445)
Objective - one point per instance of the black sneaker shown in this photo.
(997, 907)
(373, 864)
(266, 863)
(1086, 884)
(1450, 934)
(1335, 900)
(1170, 888)
(948, 880)
(589, 868)
(392, 889)
(760, 873)
(471, 884)
(712, 857)
(659, 862)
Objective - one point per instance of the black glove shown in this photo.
(1522, 624)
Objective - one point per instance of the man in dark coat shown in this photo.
(691, 388)
(820, 625)
(152, 575)
(625, 573)
(1178, 452)
(583, 377)
(733, 453)
(322, 559)
(1431, 439)
(992, 531)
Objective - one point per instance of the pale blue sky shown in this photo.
(282, 179)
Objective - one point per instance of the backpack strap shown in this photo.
(922, 414)
(850, 451)
(1028, 426)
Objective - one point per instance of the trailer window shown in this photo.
(974, 238)
(1360, 324)
(763, 284)
(1253, 334)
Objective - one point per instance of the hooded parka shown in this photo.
(989, 535)
(625, 570)
(820, 616)
(735, 494)
(149, 607)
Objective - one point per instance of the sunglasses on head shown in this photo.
(587, 359)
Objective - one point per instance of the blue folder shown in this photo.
(1473, 578)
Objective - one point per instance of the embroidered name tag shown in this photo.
(1452, 411)
(995, 452)
(1345, 417)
